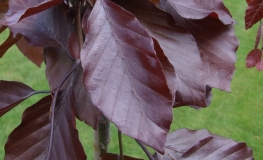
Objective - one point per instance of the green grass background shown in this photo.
(237, 115)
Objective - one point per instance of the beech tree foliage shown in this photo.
(254, 14)
(131, 61)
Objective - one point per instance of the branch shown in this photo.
(120, 145)
(145, 150)
(79, 26)
(53, 105)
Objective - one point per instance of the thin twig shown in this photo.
(145, 150)
(53, 105)
(42, 92)
(74, 67)
(120, 145)
(79, 26)
(52, 122)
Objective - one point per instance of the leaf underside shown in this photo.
(200, 144)
(124, 76)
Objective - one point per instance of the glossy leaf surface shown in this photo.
(31, 138)
(254, 13)
(19, 9)
(11, 94)
(124, 76)
(193, 145)
(85, 110)
(199, 9)
(34, 54)
(51, 25)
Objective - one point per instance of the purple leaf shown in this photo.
(34, 54)
(213, 64)
(254, 13)
(31, 138)
(199, 9)
(259, 65)
(57, 65)
(51, 25)
(195, 73)
(253, 58)
(168, 68)
(124, 76)
(192, 145)
(11, 94)
(19, 9)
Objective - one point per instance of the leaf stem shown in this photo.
(79, 26)
(145, 150)
(42, 92)
(53, 105)
(120, 145)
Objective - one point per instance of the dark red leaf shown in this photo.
(124, 76)
(11, 94)
(259, 35)
(57, 65)
(73, 46)
(213, 64)
(192, 145)
(31, 138)
(168, 68)
(19, 9)
(3, 10)
(34, 54)
(9, 42)
(254, 13)
(259, 65)
(253, 58)
(199, 9)
(180, 48)
(248, 1)
(111, 156)
(51, 25)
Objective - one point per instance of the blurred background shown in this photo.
(237, 115)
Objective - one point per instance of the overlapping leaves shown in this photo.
(136, 63)
(85, 110)
(202, 56)
(200, 144)
(124, 76)
(31, 138)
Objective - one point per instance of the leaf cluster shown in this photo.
(132, 61)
